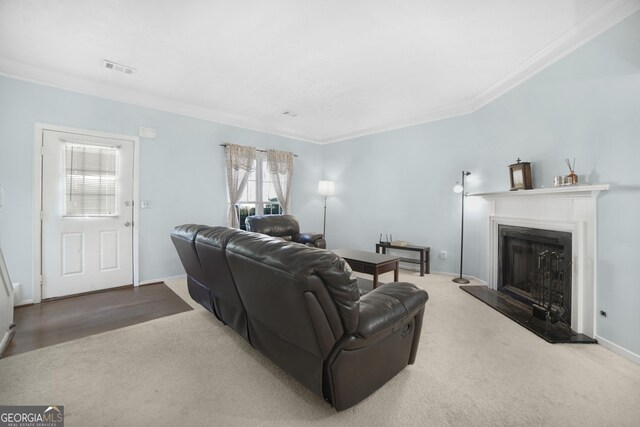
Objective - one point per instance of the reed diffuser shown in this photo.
(572, 178)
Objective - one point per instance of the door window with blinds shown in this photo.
(91, 180)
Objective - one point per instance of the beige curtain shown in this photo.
(241, 161)
(280, 166)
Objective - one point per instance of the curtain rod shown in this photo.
(262, 151)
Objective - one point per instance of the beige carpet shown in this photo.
(474, 367)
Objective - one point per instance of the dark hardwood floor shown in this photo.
(66, 319)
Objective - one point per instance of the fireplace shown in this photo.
(534, 267)
(570, 210)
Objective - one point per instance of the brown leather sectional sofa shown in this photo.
(301, 307)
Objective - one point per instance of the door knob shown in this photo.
(127, 224)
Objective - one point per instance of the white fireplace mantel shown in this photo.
(572, 209)
(566, 191)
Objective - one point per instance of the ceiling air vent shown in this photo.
(118, 67)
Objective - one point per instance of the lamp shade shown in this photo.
(325, 188)
(458, 188)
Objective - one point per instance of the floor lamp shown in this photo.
(325, 188)
(459, 188)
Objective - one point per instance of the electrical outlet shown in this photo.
(443, 254)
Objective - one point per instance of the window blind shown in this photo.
(91, 180)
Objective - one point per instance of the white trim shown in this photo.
(466, 276)
(149, 282)
(5, 340)
(43, 76)
(619, 350)
(612, 13)
(445, 112)
(23, 302)
(588, 190)
(571, 209)
(136, 211)
(37, 195)
(36, 285)
(606, 17)
(414, 267)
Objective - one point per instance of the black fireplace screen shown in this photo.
(535, 268)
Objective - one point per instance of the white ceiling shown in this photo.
(347, 68)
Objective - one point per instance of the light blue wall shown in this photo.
(181, 171)
(586, 106)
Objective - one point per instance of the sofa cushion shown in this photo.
(302, 261)
(210, 245)
(184, 239)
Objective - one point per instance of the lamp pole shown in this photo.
(324, 225)
(461, 279)
(325, 188)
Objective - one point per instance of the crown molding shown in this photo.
(33, 74)
(432, 115)
(610, 14)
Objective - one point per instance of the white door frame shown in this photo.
(37, 198)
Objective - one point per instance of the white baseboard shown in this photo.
(23, 302)
(475, 279)
(148, 282)
(414, 267)
(5, 341)
(466, 276)
(17, 292)
(619, 350)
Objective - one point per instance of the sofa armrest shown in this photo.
(315, 239)
(388, 305)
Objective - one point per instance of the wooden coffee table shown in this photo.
(370, 263)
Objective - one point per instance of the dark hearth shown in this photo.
(534, 282)
(521, 314)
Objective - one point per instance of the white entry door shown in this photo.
(87, 213)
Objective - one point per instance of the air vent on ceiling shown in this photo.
(110, 65)
(290, 113)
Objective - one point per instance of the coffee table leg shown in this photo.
(396, 272)
(375, 279)
(421, 263)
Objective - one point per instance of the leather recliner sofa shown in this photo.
(284, 226)
(302, 308)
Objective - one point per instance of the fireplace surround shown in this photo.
(570, 210)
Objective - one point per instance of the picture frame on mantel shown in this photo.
(520, 176)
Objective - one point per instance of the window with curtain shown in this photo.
(280, 168)
(91, 180)
(259, 196)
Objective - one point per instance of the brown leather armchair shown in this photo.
(286, 227)
(301, 307)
